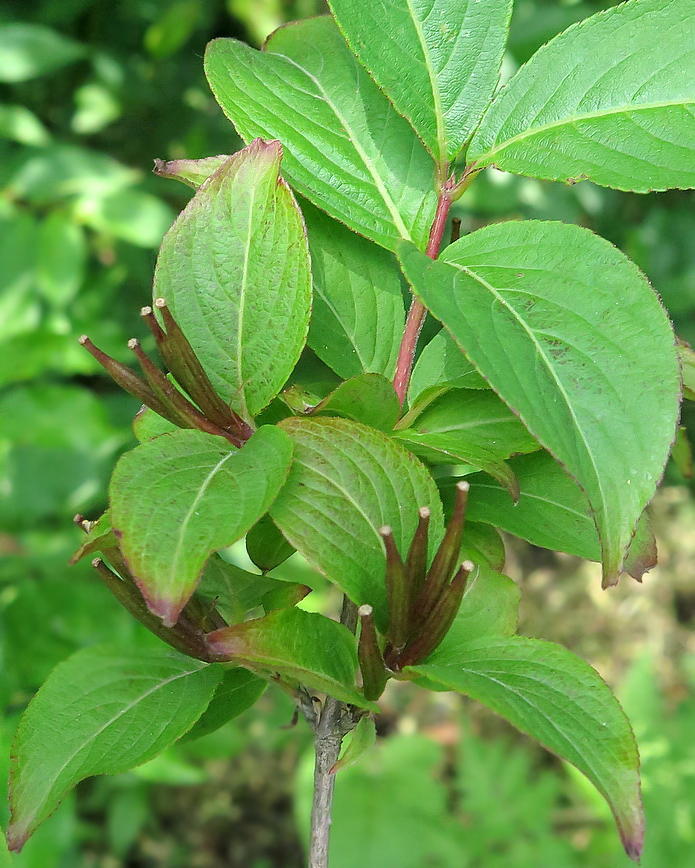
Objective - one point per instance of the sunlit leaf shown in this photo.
(234, 269)
(438, 64)
(347, 149)
(611, 99)
(182, 496)
(570, 334)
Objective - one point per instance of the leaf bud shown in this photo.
(374, 674)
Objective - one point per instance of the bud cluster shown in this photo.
(188, 634)
(422, 603)
(206, 411)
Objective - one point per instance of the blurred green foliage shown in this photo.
(90, 93)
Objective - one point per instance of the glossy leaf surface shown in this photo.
(102, 711)
(346, 482)
(302, 647)
(439, 63)
(570, 334)
(177, 499)
(558, 699)
(347, 149)
(358, 312)
(611, 99)
(234, 270)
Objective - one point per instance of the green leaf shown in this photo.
(30, 50)
(347, 149)
(552, 512)
(147, 425)
(302, 647)
(367, 398)
(100, 537)
(442, 363)
(95, 715)
(358, 741)
(346, 482)
(358, 313)
(21, 125)
(470, 427)
(193, 173)
(61, 255)
(237, 691)
(234, 270)
(437, 61)
(482, 544)
(266, 546)
(686, 356)
(490, 608)
(235, 592)
(558, 699)
(182, 496)
(611, 99)
(570, 334)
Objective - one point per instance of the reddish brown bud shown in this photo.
(179, 356)
(446, 559)
(126, 379)
(439, 621)
(416, 560)
(397, 595)
(374, 674)
(181, 411)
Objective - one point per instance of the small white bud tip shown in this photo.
(462, 485)
(365, 611)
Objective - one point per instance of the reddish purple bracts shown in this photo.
(206, 411)
(374, 674)
(416, 561)
(397, 594)
(422, 603)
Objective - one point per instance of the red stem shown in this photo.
(418, 311)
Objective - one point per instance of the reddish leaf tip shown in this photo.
(16, 838)
(633, 846)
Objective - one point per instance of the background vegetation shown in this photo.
(90, 93)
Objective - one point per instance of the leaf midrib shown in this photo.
(571, 120)
(551, 370)
(90, 739)
(434, 86)
(371, 169)
(187, 518)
